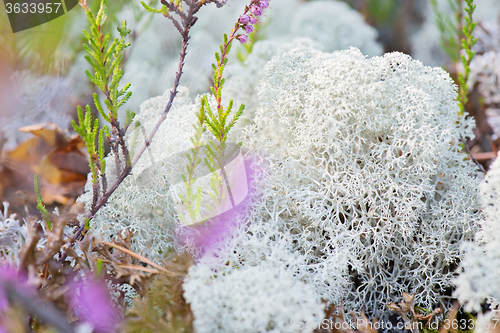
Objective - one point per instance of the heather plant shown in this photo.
(106, 63)
(456, 36)
(105, 59)
(468, 42)
(218, 122)
(439, 40)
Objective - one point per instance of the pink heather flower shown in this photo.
(263, 4)
(11, 275)
(256, 10)
(92, 303)
(248, 28)
(244, 19)
(253, 20)
(242, 38)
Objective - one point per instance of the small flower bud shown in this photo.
(253, 20)
(248, 28)
(242, 38)
(244, 19)
(256, 10)
(263, 4)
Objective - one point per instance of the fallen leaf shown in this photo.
(59, 160)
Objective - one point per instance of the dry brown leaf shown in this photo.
(29, 152)
(59, 161)
(52, 134)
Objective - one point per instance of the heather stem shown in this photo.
(220, 66)
(188, 19)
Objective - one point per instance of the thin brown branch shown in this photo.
(104, 182)
(139, 257)
(130, 266)
(95, 193)
(472, 157)
(176, 24)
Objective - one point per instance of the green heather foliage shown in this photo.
(468, 42)
(106, 59)
(39, 204)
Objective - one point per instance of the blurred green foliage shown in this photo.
(384, 11)
(51, 48)
(450, 27)
(37, 49)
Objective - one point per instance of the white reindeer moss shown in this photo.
(481, 267)
(364, 194)
(13, 235)
(243, 77)
(252, 299)
(367, 163)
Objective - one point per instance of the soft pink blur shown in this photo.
(11, 275)
(208, 234)
(91, 301)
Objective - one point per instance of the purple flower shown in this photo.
(263, 4)
(256, 10)
(242, 38)
(248, 28)
(253, 20)
(92, 303)
(11, 275)
(244, 19)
